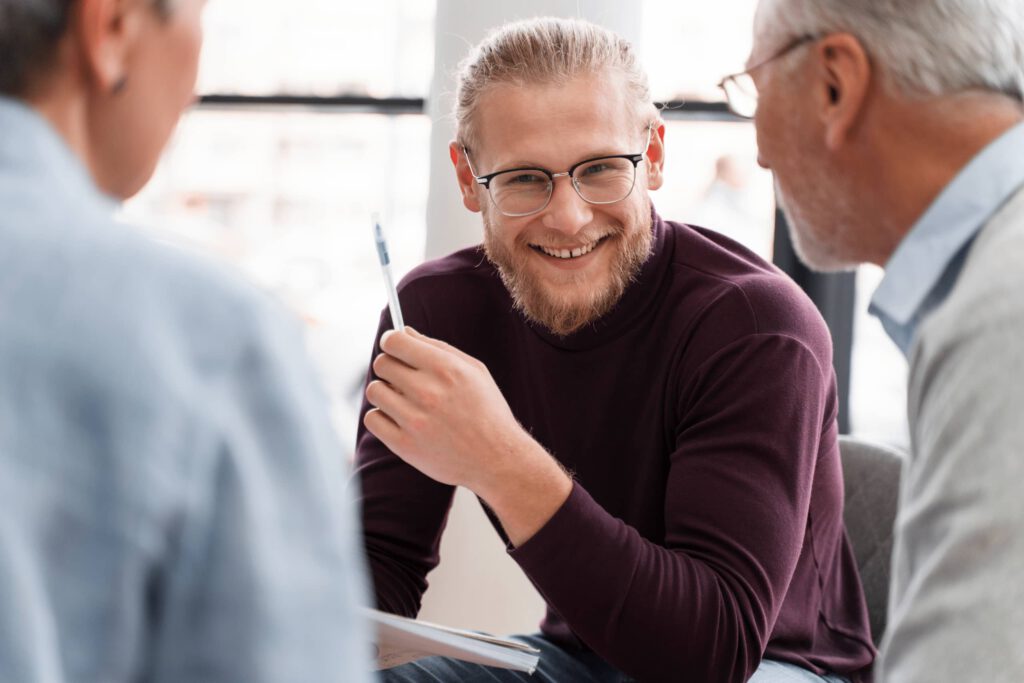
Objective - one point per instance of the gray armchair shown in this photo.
(872, 474)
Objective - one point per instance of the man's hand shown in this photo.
(440, 411)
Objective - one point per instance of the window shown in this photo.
(712, 179)
(689, 46)
(285, 193)
(878, 382)
(318, 47)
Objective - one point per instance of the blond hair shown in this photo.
(545, 51)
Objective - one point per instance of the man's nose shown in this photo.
(567, 212)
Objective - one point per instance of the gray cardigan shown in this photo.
(957, 595)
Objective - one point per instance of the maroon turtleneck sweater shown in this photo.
(704, 530)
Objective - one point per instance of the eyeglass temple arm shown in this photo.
(469, 162)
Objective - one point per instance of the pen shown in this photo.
(389, 281)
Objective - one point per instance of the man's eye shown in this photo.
(595, 169)
(526, 179)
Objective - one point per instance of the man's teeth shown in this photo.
(569, 253)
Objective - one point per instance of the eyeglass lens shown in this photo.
(601, 181)
(741, 94)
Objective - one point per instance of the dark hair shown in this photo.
(29, 33)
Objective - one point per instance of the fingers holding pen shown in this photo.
(417, 350)
(393, 371)
(384, 428)
(397, 421)
(401, 389)
(440, 411)
(443, 347)
(387, 400)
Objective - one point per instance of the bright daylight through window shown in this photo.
(285, 194)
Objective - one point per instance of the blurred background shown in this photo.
(316, 113)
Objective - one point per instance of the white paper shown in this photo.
(401, 640)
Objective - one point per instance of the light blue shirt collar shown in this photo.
(30, 143)
(924, 267)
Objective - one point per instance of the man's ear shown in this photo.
(841, 91)
(656, 157)
(468, 185)
(107, 32)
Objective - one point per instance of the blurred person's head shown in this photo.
(868, 108)
(548, 94)
(112, 76)
(730, 170)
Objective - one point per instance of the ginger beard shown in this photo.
(577, 298)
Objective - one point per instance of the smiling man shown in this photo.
(645, 408)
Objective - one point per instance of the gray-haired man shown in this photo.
(894, 128)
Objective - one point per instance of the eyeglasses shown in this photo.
(740, 91)
(527, 190)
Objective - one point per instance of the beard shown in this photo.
(820, 236)
(579, 299)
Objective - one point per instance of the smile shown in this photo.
(575, 252)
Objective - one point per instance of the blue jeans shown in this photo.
(561, 665)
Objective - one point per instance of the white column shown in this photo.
(477, 585)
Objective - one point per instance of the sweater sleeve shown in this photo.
(704, 599)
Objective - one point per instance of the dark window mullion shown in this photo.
(395, 106)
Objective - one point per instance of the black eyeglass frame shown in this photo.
(485, 180)
(732, 78)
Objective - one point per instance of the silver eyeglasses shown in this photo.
(740, 91)
(527, 190)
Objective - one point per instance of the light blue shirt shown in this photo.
(174, 502)
(924, 268)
